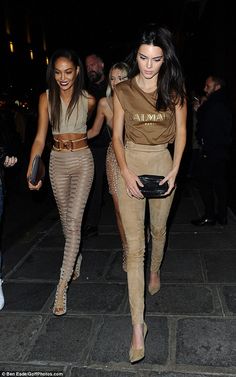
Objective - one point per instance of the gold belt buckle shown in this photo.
(68, 144)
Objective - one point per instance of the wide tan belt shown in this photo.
(70, 145)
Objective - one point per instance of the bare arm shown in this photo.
(98, 122)
(179, 145)
(91, 105)
(131, 179)
(39, 141)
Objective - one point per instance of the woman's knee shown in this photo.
(72, 225)
(135, 250)
(158, 232)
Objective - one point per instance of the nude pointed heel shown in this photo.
(154, 288)
(136, 355)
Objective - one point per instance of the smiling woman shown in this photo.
(66, 106)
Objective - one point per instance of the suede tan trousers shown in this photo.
(143, 159)
(71, 176)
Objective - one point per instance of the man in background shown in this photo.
(214, 126)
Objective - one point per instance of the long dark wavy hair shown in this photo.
(54, 90)
(170, 80)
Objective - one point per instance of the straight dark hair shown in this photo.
(170, 80)
(54, 90)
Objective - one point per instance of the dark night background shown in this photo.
(204, 31)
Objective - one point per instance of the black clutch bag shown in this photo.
(151, 188)
(38, 170)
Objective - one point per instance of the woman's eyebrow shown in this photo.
(154, 57)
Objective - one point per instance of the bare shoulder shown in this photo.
(91, 99)
(91, 102)
(43, 100)
(105, 107)
(103, 102)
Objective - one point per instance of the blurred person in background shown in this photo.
(7, 160)
(118, 73)
(213, 132)
(96, 85)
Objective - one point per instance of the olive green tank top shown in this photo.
(76, 123)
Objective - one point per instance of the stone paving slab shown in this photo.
(157, 342)
(79, 372)
(182, 266)
(90, 372)
(64, 340)
(187, 227)
(14, 256)
(117, 332)
(105, 241)
(191, 321)
(96, 266)
(229, 294)
(26, 296)
(199, 241)
(176, 374)
(97, 372)
(17, 331)
(19, 251)
(220, 266)
(230, 231)
(53, 240)
(102, 242)
(115, 271)
(43, 264)
(184, 300)
(184, 212)
(23, 211)
(25, 245)
(94, 298)
(206, 342)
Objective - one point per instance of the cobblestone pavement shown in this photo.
(191, 321)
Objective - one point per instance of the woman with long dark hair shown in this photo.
(150, 108)
(66, 105)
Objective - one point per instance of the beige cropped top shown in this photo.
(143, 123)
(77, 121)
